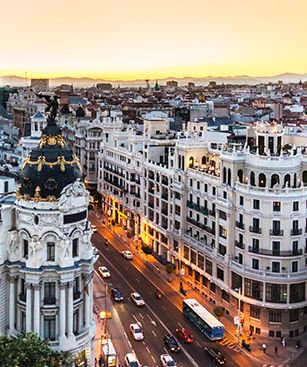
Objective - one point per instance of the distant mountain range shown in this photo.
(17, 81)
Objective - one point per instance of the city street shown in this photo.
(158, 317)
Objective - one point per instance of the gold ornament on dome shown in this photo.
(52, 140)
(41, 161)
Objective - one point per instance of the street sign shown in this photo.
(236, 320)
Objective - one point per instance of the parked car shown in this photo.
(215, 355)
(137, 299)
(167, 361)
(131, 360)
(127, 255)
(136, 330)
(94, 228)
(104, 272)
(171, 343)
(117, 294)
(184, 335)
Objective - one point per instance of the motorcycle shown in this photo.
(106, 242)
(158, 294)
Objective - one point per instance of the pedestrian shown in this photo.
(276, 350)
(264, 348)
(283, 342)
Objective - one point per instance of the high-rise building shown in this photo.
(40, 84)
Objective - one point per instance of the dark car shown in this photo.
(117, 295)
(215, 355)
(184, 335)
(171, 343)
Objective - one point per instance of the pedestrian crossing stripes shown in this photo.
(275, 365)
(227, 343)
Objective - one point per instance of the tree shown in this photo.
(28, 350)
(169, 268)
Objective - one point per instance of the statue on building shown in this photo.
(52, 107)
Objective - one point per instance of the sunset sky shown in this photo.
(128, 39)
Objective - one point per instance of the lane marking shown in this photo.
(180, 325)
(148, 350)
(135, 318)
(129, 343)
(126, 335)
(198, 343)
(141, 315)
(153, 358)
(154, 333)
(166, 351)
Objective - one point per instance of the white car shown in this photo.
(167, 361)
(137, 299)
(94, 228)
(131, 360)
(104, 272)
(136, 330)
(127, 255)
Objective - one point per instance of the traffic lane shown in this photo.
(132, 279)
(168, 292)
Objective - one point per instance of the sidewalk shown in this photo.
(284, 354)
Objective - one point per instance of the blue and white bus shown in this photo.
(203, 319)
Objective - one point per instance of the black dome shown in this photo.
(48, 168)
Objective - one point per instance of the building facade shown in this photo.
(232, 216)
(46, 258)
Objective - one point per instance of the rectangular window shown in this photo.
(200, 261)
(49, 293)
(276, 248)
(209, 266)
(222, 249)
(255, 264)
(25, 249)
(255, 312)
(50, 251)
(275, 316)
(297, 292)
(293, 315)
(49, 327)
(225, 296)
(276, 206)
(275, 266)
(205, 281)
(253, 289)
(276, 293)
(75, 247)
(236, 281)
(186, 252)
(294, 266)
(220, 273)
(256, 223)
(256, 204)
(212, 287)
(295, 206)
(255, 245)
(241, 200)
(193, 257)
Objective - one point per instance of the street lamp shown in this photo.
(239, 313)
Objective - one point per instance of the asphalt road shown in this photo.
(158, 317)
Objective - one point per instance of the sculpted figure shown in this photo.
(12, 242)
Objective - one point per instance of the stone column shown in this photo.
(70, 310)
(12, 305)
(37, 311)
(29, 307)
(62, 310)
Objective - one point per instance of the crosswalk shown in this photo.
(275, 365)
(228, 343)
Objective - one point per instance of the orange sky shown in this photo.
(128, 39)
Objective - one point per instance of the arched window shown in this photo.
(287, 180)
(212, 163)
(191, 162)
(240, 175)
(274, 180)
(224, 175)
(252, 179)
(262, 180)
(204, 160)
(305, 178)
(294, 180)
(229, 176)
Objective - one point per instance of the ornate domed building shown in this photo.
(48, 256)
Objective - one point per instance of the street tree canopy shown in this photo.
(28, 350)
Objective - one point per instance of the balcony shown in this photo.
(296, 231)
(212, 212)
(283, 253)
(76, 295)
(240, 225)
(196, 207)
(255, 229)
(240, 245)
(276, 232)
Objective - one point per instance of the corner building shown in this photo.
(234, 217)
(47, 256)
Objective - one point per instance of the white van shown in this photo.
(131, 360)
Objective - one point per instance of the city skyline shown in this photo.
(132, 40)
